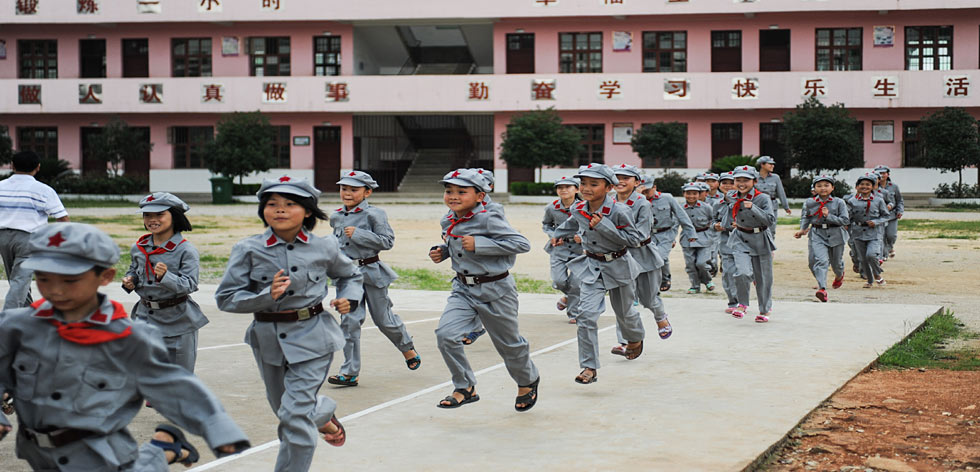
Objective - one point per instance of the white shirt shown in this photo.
(25, 203)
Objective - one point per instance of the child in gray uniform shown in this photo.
(697, 253)
(281, 277)
(607, 231)
(79, 368)
(667, 216)
(483, 248)
(721, 217)
(363, 231)
(891, 231)
(824, 218)
(563, 250)
(770, 184)
(751, 243)
(163, 272)
(867, 214)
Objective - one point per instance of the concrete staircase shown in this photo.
(424, 175)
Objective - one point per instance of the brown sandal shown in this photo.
(587, 376)
(634, 352)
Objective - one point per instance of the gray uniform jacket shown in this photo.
(668, 213)
(828, 230)
(701, 217)
(646, 255)
(100, 387)
(897, 200)
(614, 232)
(496, 243)
(758, 218)
(373, 234)
(554, 215)
(862, 211)
(309, 260)
(183, 263)
(722, 214)
(772, 185)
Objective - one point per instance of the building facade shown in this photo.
(408, 90)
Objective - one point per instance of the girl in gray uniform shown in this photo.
(770, 184)
(79, 368)
(164, 272)
(667, 216)
(697, 253)
(867, 215)
(607, 232)
(363, 231)
(824, 218)
(891, 231)
(281, 277)
(713, 198)
(751, 243)
(483, 248)
(722, 224)
(563, 250)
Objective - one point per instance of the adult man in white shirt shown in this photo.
(25, 205)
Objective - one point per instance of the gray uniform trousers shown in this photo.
(728, 278)
(498, 313)
(696, 264)
(182, 350)
(388, 323)
(14, 250)
(629, 326)
(823, 256)
(868, 253)
(758, 268)
(663, 246)
(151, 458)
(650, 299)
(564, 281)
(891, 235)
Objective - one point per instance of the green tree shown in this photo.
(819, 138)
(6, 147)
(663, 142)
(729, 163)
(950, 140)
(243, 145)
(538, 138)
(118, 142)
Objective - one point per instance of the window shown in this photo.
(660, 162)
(43, 141)
(191, 57)
(726, 51)
(326, 55)
(268, 56)
(664, 51)
(838, 48)
(593, 144)
(579, 52)
(91, 58)
(280, 146)
(928, 47)
(726, 140)
(38, 58)
(912, 154)
(189, 143)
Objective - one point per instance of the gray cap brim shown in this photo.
(596, 175)
(57, 263)
(464, 183)
(154, 208)
(352, 182)
(290, 189)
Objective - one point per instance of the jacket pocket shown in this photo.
(101, 392)
(25, 371)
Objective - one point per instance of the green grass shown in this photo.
(69, 204)
(789, 220)
(924, 348)
(942, 229)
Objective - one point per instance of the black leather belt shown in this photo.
(662, 230)
(826, 225)
(701, 230)
(293, 315)
(158, 304)
(370, 260)
(645, 242)
(56, 438)
(480, 279)
(751, 230)
(607, 257)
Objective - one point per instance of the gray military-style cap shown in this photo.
(567, 181)
(726, 176)
(466, 178)
(882, 168)
(703, 186)
(290, 185)
(356, 178)
(869, 176)
(745, 171)
(711, 176)
(162, 201)
(691, 186)
(70, 249)
(627, 170)
(486, 174)
(823, 178)
(598, 171)
(700, 176)
(765, 160)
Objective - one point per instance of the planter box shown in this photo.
(938, 202)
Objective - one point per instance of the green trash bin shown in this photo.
(221, 190)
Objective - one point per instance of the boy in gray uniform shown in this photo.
(667, 215)
(722, 224)
(483, 248)
(607, 232)
(824, 218)
(697, 253)
(563, 250)
(751, 243)
(713, 198)
(281, 277)
(895, 212)
(164, 272)
(868, 214)
(770, 184)
(363, 231)
(79, 369)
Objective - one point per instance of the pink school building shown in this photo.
(409, 90)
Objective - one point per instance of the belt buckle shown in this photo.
(303, 314)
(41, 439)
(469, 280)
(155, 305)
(608, 257)
(756, 230)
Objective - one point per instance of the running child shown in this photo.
(563, 250)
(823, 218)
(891, 231)
(751, 244)
(667, 217)
(697, 253)
(868, 214)
(722, 224)
(770, 184)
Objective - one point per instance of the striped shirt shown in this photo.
(26, 204)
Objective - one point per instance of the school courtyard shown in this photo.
(718, 395)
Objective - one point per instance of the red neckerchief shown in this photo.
(84, 332)
(871, 197)
(654, 197)
(170, 246)
(453, 221)
(822, 204)
(604, 211)
(738, 202)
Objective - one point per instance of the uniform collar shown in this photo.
(363, 206)
(816, 198)
(557, 203)
(102, 315)
(633, 198)
(871, 196)
(604, 210)
(170, 245)
(696, 205)
(271, 239)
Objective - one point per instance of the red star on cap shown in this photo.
(588, 166)
(284, 178)
(352, 174)
(56, 240)
(150, 198)
(455, 174)
(623, 166)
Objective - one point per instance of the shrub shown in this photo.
(727, 163)
(532, 188)
(671, 182)
(53, 169)
(538, 138)
(665, 143)
(121, 185)
(245, 189)
(957, 190)
(798, 186)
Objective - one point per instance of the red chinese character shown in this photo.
(26, 7)
(885, 88)
(29, 95)
(272, 4)
(87, 6)
(210, 3)
(479, 91)
(149, 93)
(275, 92)
(813, 88)
(677, 87)
(542, 90)
(212, 92)
(545, 2)
(745, 89)
(609, 88)
(613, 2)
(90, 96)
(958, 86)
(337, 92)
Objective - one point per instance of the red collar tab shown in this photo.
(630, 202)
(271, 241)
(606, 210)
(170, 245)
(302, 236)
(580, 205)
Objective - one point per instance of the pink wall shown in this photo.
(159, 36)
